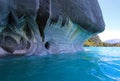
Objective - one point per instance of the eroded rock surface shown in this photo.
(40, 27)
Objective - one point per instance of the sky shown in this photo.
(111, 14)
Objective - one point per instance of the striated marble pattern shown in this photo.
(40, 27)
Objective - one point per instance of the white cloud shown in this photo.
(106, 35)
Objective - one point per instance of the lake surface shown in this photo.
(95, 64)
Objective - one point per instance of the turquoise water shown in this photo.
(96, 64)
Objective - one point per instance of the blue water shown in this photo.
(96, 64)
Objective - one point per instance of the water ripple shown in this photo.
(100, 64)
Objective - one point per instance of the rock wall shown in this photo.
(43, 27)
